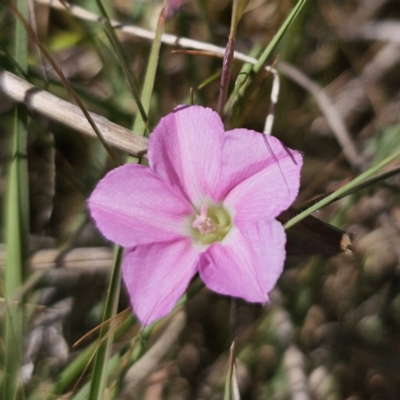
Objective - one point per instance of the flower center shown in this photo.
(211, 225)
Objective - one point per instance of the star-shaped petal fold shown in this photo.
(206, 204)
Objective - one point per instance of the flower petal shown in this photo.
(247, 263)
(260, 176)
(156, 275)
(185, 151)
(131, 206)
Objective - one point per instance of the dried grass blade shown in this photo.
(72, 371)
(66, 113)
(231, 384)
(237, 6)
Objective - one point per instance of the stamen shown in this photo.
(202, 222)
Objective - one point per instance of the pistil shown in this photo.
(202, 222)
(211, 225)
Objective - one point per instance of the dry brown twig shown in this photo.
(83, 258)
(68, 114)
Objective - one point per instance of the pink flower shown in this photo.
(206, 205)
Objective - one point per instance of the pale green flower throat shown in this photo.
(211, 225)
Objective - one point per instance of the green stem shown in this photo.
(16, 224)
(338, 193)
(100, 369)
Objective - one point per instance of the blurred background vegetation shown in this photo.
(332, 329)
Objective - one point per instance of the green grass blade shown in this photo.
(231, 386)
(73, 370)
(16, 224)
(132, 353)
(83, 392)
(276, 39)
(241, 80)
(139, 125)
(132, 80)
(228, 385)
(356, 188)
(239, 87)
(210, 79)
(100, 370)
(344, 189)
(28, 285)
